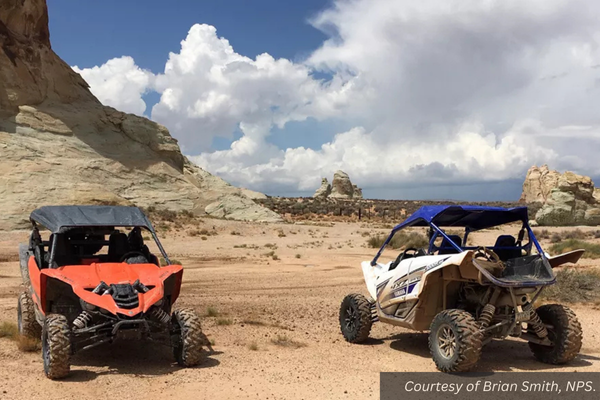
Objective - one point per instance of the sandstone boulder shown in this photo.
(341, 186)
(324, 191)
(59, 145)
(538, 184)
(566, 199)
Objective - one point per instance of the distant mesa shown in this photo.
(340, 188)
(563, 199)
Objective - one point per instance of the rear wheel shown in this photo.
(56, 346)
(186, 337)
(455, 341)
(355, 318)
(564, 331)
(28, 325)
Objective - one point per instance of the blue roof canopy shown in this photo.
(472, 217)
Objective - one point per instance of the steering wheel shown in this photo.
(402, 255)
(131, 254)
(487, 255)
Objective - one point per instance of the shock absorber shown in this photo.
(536, 324)
(159, 315)
(83, 320)
(487, 313)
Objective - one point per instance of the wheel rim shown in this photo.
(446, 341)
(351, 318)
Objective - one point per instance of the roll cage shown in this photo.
(91, 222)
(472, 218)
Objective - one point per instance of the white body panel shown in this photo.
(405, 282)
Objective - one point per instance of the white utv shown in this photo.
(467, 296)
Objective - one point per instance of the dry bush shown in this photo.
(11, 257)
(592, 250)
(541, 234)
(573, 286)
(253, 346)
(9, 330)
(224, 321)
(400, 240)
(211, 312)
(284, 341)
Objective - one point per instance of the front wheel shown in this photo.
(564, 331)
(355, 318)
(455, 341)
(56, 346)
(186, 337)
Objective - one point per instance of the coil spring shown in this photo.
(487, 313)
(537, 325)
(82, 320)
(159, 315)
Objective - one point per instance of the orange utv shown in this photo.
(93, 280)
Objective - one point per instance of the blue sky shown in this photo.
(448, 99)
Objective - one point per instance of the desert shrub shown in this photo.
(275, 257)
(592, 250)
(194, 232)
(574, 285)
(400, 240)
(541, 234)
(298, 255)
(12, 257)
(9, 330)
(235, 233)
(596, 234)
(284, 341)
(212, 312)
(224, 321)
(556, 238)
(574, 234)
(204, 238)
(253, 346)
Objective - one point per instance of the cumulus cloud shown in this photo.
(438, 91)
(210, 90)
(119, 83)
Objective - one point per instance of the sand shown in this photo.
(293, 300)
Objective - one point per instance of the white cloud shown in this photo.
(439, 91)
(119, 83)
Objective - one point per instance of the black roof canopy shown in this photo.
(57, 217)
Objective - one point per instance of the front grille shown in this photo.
(124, 295)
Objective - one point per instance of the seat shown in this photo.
(506, 247)
(447, 248)
(118, 246)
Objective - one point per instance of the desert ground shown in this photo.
(269, 295)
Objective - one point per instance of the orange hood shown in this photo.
(85, 278)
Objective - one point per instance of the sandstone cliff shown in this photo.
(59, 145)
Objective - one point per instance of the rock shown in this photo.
(567, 199)
(538, 184)
(239, 207)
(341, 186)
(60, 145)
(357, 192)
(324, 191)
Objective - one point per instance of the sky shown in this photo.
(436, 99)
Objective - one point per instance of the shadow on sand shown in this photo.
(497, 356)
(139, 358)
